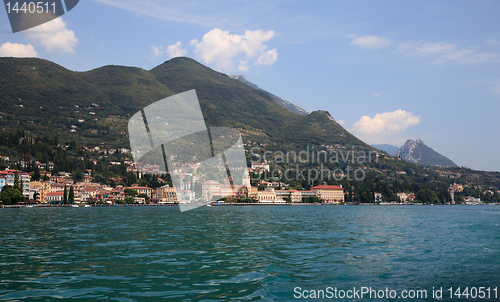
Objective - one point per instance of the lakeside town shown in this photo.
(61, 189)
(47, 172)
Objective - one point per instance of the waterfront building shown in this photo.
(165, 194)
(268, 195)
(42, 188)
(212, 188)
(329, 193)
(55, 197)
(7, 178)
(142, 190)
(402, 196)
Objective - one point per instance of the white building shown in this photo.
(7, 179)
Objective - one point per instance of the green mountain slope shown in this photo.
(231, 103)
(126, 89)
(224, 101)
(44, 97)
(292, 107)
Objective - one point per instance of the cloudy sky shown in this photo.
(387, 71)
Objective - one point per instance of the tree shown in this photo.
(65, 195)
(145, 196)
(131, 178)
(99, 178)
(21, 185)
(312, 199)
(247, 200)
(71, 196)
(77, 176)
(426, 195)
(229, 199)
(36, 174)
(315, 199)
(288, 198)
(16, 181)
(36, 195)
(130, 192)
(121, 201)
(11, 195)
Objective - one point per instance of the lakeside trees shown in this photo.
(11, 195)
(71, 195)
(65, 195)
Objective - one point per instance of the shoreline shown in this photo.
(236, 204)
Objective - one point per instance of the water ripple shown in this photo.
(242, 253)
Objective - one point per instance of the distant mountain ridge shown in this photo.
(418, 152)
(290, 106)
(94, 106)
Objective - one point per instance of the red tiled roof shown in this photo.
(140, 188)
(327, 187)
(12, 172)
(55, 194)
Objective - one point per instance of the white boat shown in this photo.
(75, 206)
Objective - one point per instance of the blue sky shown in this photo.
(388, 71)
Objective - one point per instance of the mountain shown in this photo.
(94, 106)
(292, 107)
(390, 149)
(418, 152)
(49, 113)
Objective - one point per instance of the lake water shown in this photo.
(245, 253)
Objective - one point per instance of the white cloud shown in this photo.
(243, 66)
(175, 50)
(178, 11)
(267, 58)
(446, 53)
(17, 50)
(54, 36)
(376, 94)
(494, 85)
(224, 50)
(370, 42)
(493, 42)
(383, 126)
(156, 52)
(341, 122)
